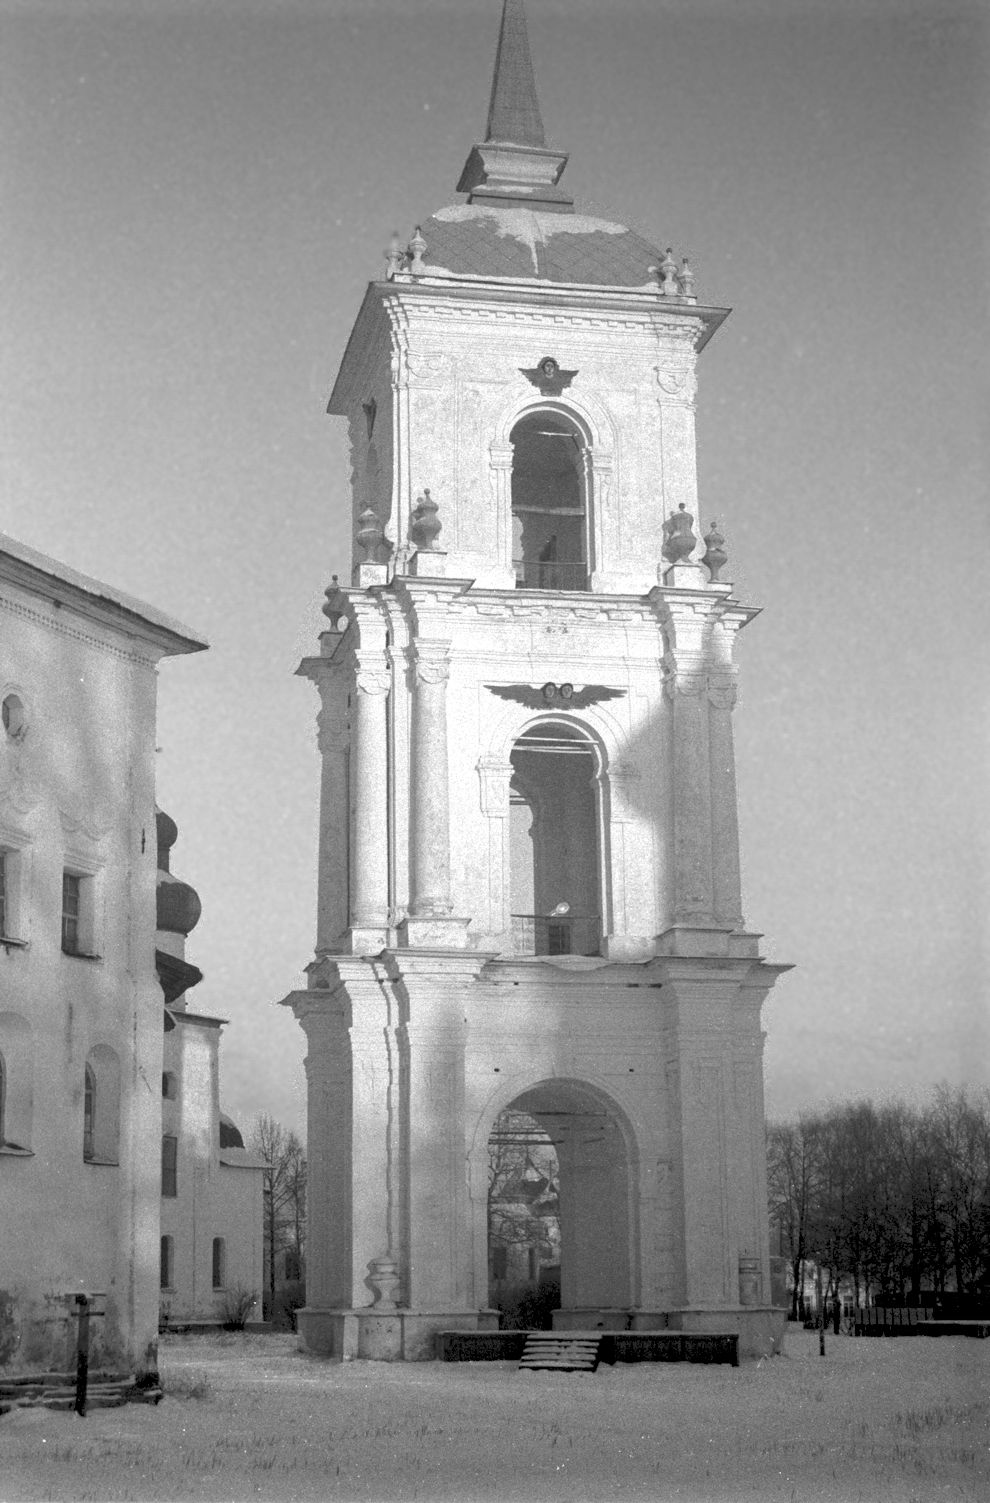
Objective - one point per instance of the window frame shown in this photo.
(219, 1263)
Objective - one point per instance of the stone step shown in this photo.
(561, 1353)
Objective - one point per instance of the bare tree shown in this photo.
(284, 1190)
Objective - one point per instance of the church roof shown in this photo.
(517, 222)
(486, 240)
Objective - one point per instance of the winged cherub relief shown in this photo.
(558, 695)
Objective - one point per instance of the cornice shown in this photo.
(62, 629)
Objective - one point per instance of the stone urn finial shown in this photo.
(685, 280)
(417, 246)
(383, 1276)
(336, 602)
(714, 557)
(426, 526)
(393, 257)
(370, 533)
(668, 274)
(679, 539)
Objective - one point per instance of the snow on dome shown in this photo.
(479, 240)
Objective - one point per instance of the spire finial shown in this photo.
(513, 167)
(514, 111)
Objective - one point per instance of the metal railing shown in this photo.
(548, 574)
(556, 934)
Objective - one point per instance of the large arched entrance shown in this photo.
(564, 1191)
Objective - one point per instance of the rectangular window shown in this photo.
(3, 893)
(71, 907)
(170, 1157)
(219, 1262)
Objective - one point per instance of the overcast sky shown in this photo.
(195, 193)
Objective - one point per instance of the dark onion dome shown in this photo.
(230, 1133)
(178, 905)
(167, 833)
(482, 240)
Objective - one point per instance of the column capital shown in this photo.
(371, 675)
(430, 661)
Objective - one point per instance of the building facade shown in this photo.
(211, 1234)
(529, 892)
(80, 1000)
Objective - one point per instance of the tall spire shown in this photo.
(514, 111)
(513, 167)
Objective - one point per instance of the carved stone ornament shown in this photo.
(677, 381)
(425, 526)
(383, 1276)
(679, 539)
(548, 377)
(714, 557)
(431, 668)
(721, 692)
(558, 696)
(372, 681)
(688, 682)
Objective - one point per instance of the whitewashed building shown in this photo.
(529, 872)
(212, 1234)
(80, 1000)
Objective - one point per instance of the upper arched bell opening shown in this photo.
(549, 503)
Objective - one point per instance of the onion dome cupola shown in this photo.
(178, 911)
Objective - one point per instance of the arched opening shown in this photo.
(523, 1222)
(101, 1106)
(559, 1209)
(554, 873)
(549, 503)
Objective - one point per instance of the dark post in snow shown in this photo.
(82, 1352)
(821, 1313)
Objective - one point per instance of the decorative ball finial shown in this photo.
(668, 274)
(679, 539)
(393, 257)
(426, 526)
(715, 556)
(685, 280)
(417, 246)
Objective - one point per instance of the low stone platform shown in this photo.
(616, 1346)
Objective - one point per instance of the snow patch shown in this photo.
(529, 227)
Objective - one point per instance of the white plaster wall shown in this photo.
(78, 790)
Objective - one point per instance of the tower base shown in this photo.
(379, 1335)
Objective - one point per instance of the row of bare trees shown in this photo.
(893, 1199)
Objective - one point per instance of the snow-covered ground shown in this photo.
(252, 1417)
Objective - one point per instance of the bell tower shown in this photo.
(528, 888)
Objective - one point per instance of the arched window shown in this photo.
(89, 1114)
(555, 877)
(549, 503)
(219, 1262)
(167, 1274)
(101, 1106)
